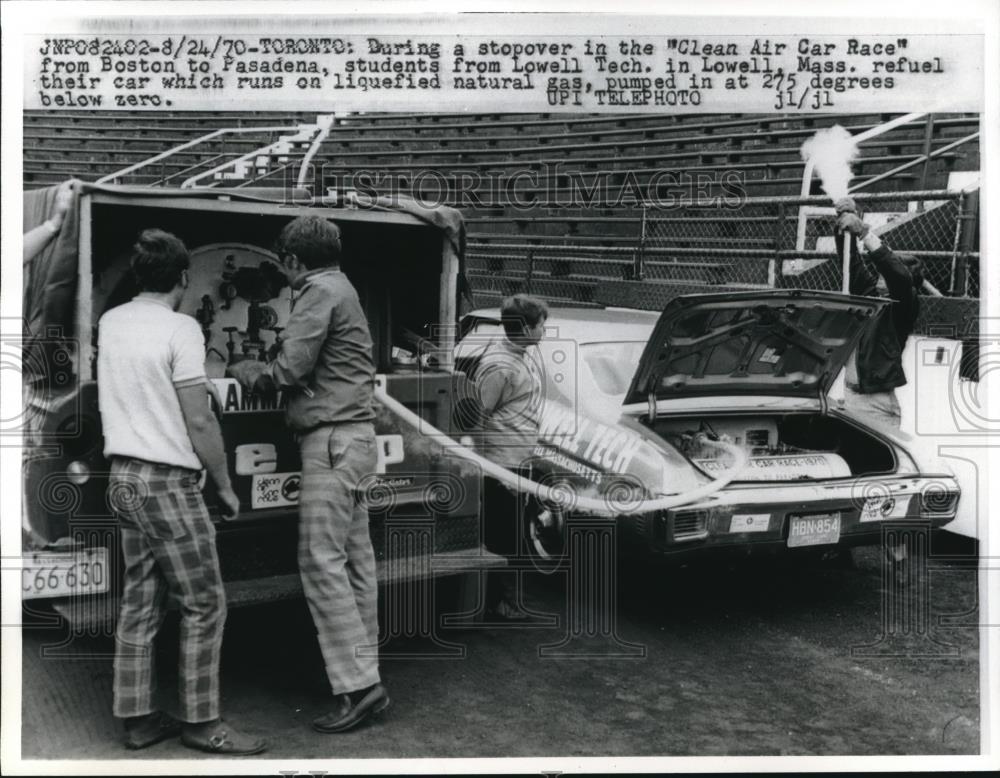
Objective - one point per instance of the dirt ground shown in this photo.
(760, 657)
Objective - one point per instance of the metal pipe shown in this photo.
(845, 284)
(112, 177)
(695, 252)
(325, 123)
(926, 194)
(927, 149)
(190, 182)
(800, 236)
(87, 362)
(913, 163)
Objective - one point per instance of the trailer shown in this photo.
(406, 263)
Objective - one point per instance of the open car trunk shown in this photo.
(799, 446)
(765, 344)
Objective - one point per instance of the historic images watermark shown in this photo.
(549, 184)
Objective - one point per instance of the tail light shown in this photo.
(938, 500)
(688, 525)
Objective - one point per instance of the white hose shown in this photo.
(589, 505)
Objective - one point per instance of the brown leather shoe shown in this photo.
(151, 730)
(347, 716)
(221, 739)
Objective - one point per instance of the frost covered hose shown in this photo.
(588, 505)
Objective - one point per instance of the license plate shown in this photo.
(45, 574)
(816, 530)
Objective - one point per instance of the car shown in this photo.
(649, 407)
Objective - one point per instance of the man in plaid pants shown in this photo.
(158, 434)
(326, 370)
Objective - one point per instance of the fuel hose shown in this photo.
(579, 504)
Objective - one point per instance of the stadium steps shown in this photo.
(688, 161)
(599, 271)
(639, 150)
(571, 247)
(613, 136)
(554, 291)
(92, 145)
(531, 124)
(189, 120)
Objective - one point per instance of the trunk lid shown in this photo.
(788, 342)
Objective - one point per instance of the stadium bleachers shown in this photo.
(92, 144)
(553, 203)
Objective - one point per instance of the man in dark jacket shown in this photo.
(876, 368)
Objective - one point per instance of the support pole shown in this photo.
(846, 284)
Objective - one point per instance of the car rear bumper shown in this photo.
(773, 516)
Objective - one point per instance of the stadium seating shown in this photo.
(91, 144)
(551, 201)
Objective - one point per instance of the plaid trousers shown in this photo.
(336, 558)
(168, 541)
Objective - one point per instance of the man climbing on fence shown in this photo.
(876, 368)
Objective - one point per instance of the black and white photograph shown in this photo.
(578, 391)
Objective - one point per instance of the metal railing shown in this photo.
(925, 157)
(767, 243)
(207, 144)
(713, 247)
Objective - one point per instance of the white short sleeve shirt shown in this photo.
(145, 352)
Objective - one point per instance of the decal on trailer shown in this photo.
(232, 399)
(254, 458)
(275, 490)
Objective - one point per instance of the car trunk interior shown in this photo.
(781, 447)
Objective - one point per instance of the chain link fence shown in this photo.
(789, 241)
(777, 242)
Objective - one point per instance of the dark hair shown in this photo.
(158, 259)
(519, 312)
(315, 241)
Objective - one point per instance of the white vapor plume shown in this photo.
(832, 151)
